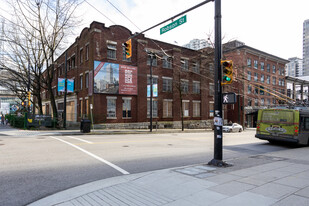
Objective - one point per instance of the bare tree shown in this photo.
(37, 32)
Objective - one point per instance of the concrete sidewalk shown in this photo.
(277, 178)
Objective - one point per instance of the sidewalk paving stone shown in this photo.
(274, 190)
(293, 200)
(303, 192)
(231, 188)
(246, 198)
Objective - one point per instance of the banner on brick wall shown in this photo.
(110, 78)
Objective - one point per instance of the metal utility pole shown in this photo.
(65, 91)
(218, 120)
(151, 59)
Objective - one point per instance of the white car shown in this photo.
(232, 128)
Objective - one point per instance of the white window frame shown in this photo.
(196, 87)
(114, 109)
(186, 113)
(166, 110)
(196, 113)
(167, 84)
(125, 108)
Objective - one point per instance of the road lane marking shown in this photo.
(94, 156)
(82, 140)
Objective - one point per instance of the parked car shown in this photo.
(232, 128)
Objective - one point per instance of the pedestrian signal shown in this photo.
(227, 71)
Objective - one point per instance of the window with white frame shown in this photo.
(268, 79)
(167, 84)
(87, 51)
(167, 108)
(87, 80)
(184, 64)
(255, 62)
(274, 69)
(81, 107)
(154, 108)
(111, 107)
(256, 102)
(268, 67)
(196, 108)
(249, 76)
(185, 108)
(211, 89)
(249, 89)
(81, 55)
(154, 60)
(167, 62)
(81, 81)
(73, 62)
(126, 107)
(111, 50)
(262, 78)
(274, 80)
(184, 86)
(249, 62)
(262, 66)
(196, 87)
(196, 67)
(256, 77)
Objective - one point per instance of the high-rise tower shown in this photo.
(306, 47)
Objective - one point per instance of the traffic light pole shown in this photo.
(218, 120)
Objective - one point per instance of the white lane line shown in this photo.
(82, 140)
(94, 156)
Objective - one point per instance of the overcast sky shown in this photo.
(273, 26)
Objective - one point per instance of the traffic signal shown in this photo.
(29, 98)
(128, 48)
(227, 71)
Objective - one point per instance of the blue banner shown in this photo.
(70, 85)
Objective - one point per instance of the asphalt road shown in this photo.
(33, 167)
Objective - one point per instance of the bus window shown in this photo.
(306, 123)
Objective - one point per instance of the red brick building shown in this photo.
(257, 77)
(117, 87)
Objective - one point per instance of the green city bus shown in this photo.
(287, 125)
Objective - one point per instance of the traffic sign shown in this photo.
(174, 24)
(229, 98)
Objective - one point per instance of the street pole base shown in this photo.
(219, 163)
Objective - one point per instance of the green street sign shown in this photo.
(174, 24)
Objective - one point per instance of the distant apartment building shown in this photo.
(257, 77)
(197, 44)
(294, 68)
(306, 47)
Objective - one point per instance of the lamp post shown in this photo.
(65, 91)
(150, 107)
